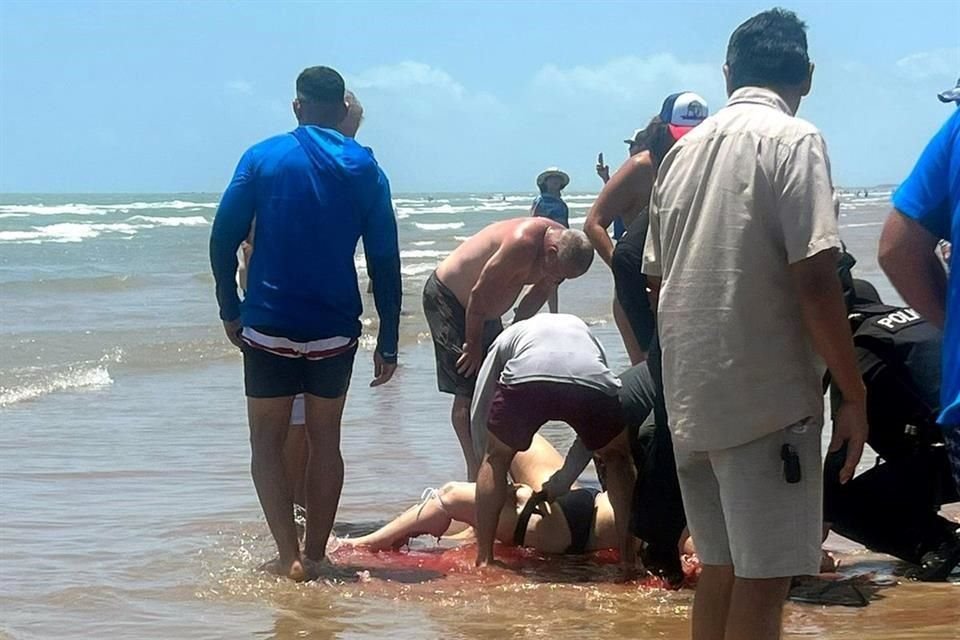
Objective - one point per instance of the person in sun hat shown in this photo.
(549, 204)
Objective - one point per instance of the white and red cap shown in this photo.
(682, 112)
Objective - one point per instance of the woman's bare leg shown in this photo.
(455, 502)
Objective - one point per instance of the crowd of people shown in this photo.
(737, 306)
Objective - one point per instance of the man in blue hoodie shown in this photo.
(311, 194)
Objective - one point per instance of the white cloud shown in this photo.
(930, 64)
(630, 78)
(407, 75)
(241, 87)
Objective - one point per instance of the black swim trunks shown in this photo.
(267, 375)
(448, 326)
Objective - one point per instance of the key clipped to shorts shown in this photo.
(791, 464)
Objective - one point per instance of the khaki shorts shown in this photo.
(742, 511)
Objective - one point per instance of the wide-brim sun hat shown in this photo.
(552, 171)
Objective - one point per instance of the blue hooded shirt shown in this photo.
(313, 194)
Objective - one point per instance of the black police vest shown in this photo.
(898, 353)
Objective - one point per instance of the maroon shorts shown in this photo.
(518, 411)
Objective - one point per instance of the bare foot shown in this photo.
(323, 569)
(294, 571)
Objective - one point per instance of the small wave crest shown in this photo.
(84, 209)
(39, 383)
(79, 231)
(438, 226)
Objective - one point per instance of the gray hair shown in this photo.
(574, 249)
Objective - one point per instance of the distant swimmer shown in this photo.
(481, 280)
(315, 193)
(550, 204)
(549, 367)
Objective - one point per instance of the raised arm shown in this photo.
(231, 225)
(382, 250)
(626, 192)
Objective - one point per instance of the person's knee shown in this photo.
(498, 455)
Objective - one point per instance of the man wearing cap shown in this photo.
(742, 257)
(549, 204)
(310, 196)
(926, 209)
(656, 518)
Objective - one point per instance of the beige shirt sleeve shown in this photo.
(805, 205)
(651, 247)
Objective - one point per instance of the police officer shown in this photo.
(893, 507)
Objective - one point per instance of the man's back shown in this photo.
(314, 193)
(731, 210)
(554, 347)
(461, 269)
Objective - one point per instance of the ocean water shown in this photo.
(126, 506)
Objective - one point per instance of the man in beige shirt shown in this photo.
(744, 243)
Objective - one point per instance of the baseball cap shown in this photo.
(951, 95)
(682, 112)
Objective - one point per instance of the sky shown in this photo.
(459, 96)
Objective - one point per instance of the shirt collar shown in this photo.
(759, 95)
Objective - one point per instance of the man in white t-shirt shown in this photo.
(743, 249)
(549, 367)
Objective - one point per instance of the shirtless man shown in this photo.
(481, 280)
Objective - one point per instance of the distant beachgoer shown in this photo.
(549, 367)
(549, 204)
(926, 209)
(742, 256)
(580, 521)
(315, 193)
(464, 298)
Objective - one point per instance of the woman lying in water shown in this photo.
(578, 522)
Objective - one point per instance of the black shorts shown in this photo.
(267, 375)
(448, 327)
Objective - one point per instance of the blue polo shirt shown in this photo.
(314, 194)
(547, 205)
(931, 196)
